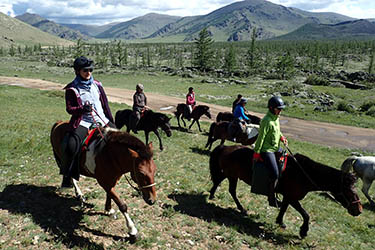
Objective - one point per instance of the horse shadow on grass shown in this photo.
(195, 205)
(56, 214)
(181, 129)
(200, 151)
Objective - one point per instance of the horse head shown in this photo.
(163, 123)
(206, 111)
(143, 173)
(347, 196)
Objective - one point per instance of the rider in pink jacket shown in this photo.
(190, 101)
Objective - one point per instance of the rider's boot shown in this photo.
(272, 201)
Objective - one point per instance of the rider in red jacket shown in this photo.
(190, 101)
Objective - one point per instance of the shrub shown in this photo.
(316, 80)
(344, 106)
(371, 111)
(367, 105)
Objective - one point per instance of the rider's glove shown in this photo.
(257, 157)
(87, 107)
(284, 140)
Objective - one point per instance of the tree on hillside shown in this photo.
(203, 56)
(230, 59)
(251, 51)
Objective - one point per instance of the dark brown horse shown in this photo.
(196, 114)
(302, 175)
(118, 153)
(150, 121)
(228, 116)
(220, 131)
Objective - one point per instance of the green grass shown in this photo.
(219, 93)
(35, 215)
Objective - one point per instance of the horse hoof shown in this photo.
(282, 225)
(133, 238)
(302, 234)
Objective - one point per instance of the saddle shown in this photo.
(260, 177)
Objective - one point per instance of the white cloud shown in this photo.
(105, 11)
(352, 8)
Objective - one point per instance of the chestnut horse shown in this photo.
(150, 121)
(118, 153)
(196, 114)
(302, 175)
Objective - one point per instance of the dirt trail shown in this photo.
(316, 132)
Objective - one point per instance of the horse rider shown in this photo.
(139, 105)
(190, 102)
(87, 102)
(239, 111)
(236, 101)
(268, 144)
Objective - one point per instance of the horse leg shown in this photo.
(216, 181)
(365, 187)
(146, 135)
(160, 143)
(182, 119)
(232, 191)
(199, 126)
(222, 141)
(178, 120)
(192, 124)
(280, 216)
(108, 210)
(123, 208)
(78, 191)
(305, 226)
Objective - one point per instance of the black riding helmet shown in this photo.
(83, 63)
(276, 102)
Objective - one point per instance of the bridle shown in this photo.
(139, 188)
(328, 194)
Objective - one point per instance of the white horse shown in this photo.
(364, 167)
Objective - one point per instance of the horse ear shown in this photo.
(133, 153)
(150, 146)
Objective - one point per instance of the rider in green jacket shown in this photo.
(268, 143)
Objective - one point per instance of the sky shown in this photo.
(100, 12)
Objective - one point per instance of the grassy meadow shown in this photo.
(257, 90)
(35, 215)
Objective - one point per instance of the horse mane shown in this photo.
(129, 141)
(325, 171)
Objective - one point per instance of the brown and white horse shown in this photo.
(118, 153)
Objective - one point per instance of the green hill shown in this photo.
(15, 32)
(51, 27)
(138, 27)
(357, 29)
(235, 22)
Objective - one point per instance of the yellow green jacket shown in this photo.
(269, 134)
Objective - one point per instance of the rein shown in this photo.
(308, 177)
(136, 181)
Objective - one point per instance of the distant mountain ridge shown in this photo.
(14, 32)
(51, 27)
(234, 22)
(138, 27)
(357, 29)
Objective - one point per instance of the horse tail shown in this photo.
(216, 174)
(210, 134)
(347, 165)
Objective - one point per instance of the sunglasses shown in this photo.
(87, 70)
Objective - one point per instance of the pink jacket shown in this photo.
(190, 99)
